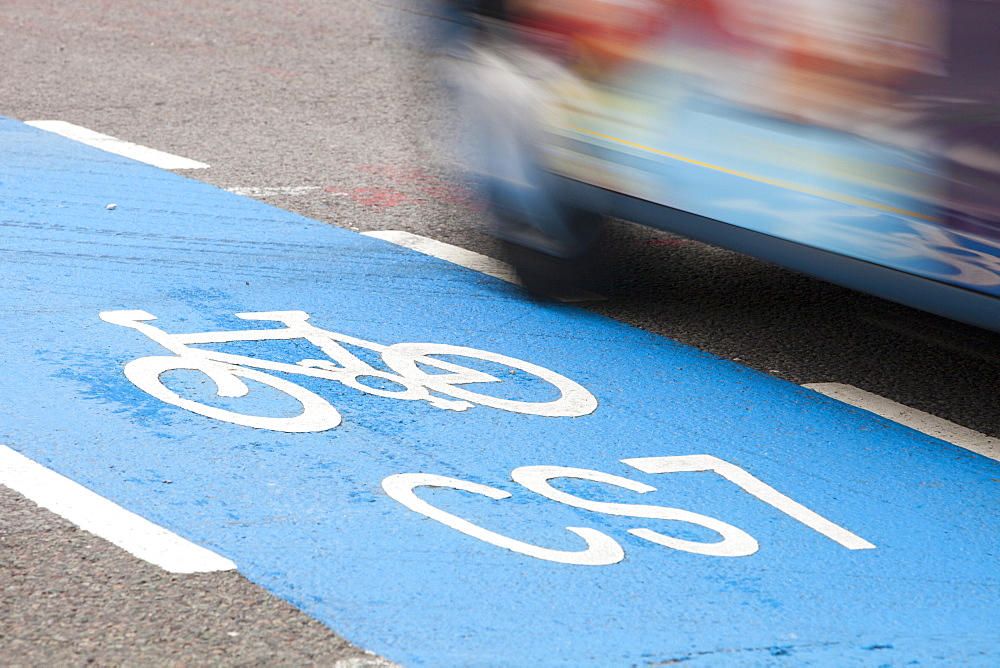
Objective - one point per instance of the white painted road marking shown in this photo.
(92, 512)
(470, 260)
(603, 550)
(754, 486)
(926, 423)
(406, 359)
(118, 146)
(271, 191)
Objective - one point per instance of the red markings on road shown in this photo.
(427, 185)
(380, 198)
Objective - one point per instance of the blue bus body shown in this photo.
(857, 142)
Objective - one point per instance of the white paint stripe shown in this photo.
(276, 190)
(98, 515)
(370, 660)
(931, 425)
(470, 260)
(117, 146)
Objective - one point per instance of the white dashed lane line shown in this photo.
(273, 191)
(926, 423)
(117, 146)
(471, 260)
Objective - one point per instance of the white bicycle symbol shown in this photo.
(407, 360)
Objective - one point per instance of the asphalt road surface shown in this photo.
(331, 109)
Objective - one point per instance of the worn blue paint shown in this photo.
(304, 516)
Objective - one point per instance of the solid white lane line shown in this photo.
(106, 519)
(117, 146)
(470, 260)
(912, 418)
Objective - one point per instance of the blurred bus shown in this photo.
(854, 140)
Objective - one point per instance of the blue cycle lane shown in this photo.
(615, 499)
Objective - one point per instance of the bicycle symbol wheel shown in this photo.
(317, 413)
(403, 358)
